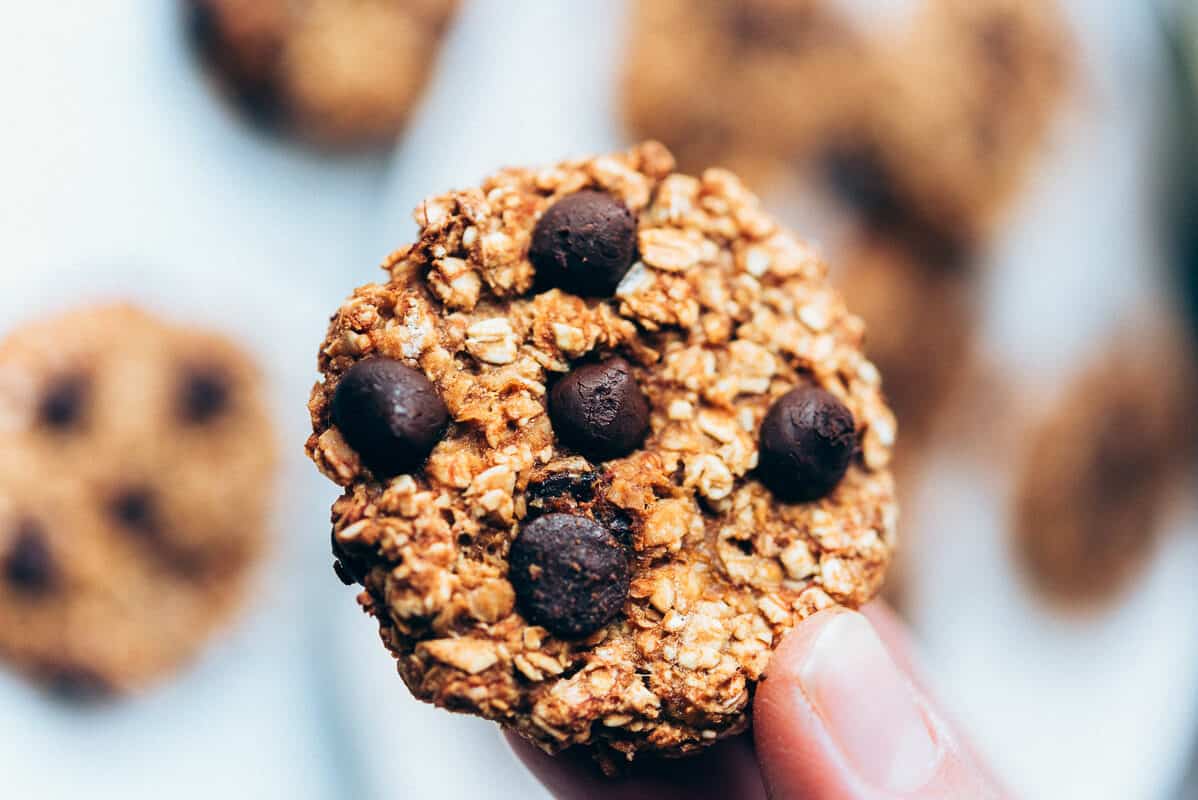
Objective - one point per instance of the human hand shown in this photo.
(841, 715)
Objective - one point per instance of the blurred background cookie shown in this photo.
(340, 73)
(133, 495)
(1100, 468)
(970, 95)
(938, 105)
(754, 85)
(921, 319)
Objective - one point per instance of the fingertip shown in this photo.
(839, 716)
(796, 756)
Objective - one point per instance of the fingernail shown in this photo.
(868, 706)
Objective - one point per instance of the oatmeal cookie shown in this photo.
(1100, 468)
(339, 72)
(922, 324)
(131, 500)
(974, 91)
(606, 434)
(753, 85)
(938, 112)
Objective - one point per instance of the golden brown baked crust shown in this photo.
(723, 313)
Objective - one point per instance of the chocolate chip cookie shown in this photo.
(976, 88)
(1101, 465)
(338, 72)
(605, 434)
(937, 113)
(131, 501)
(921, 319)
(753, 85)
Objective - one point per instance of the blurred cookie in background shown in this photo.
(941, 103)
(754, 85)
(921, 319)
(972, 92)
(1100, 468)
(131, 499)
(338, 73)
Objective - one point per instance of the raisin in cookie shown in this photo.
(605, 434)
(339, 72)
(131, 507)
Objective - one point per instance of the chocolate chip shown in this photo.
(857, 173)
(584, 244)
(390, 413)
(63, 405)
(29, 565)
(204, 395)
(347, 567)
(78, 685)
(782, 26)
(618, 521)
(247, 68)
(136, 510)
(580, 486)
(599, 410)
(998, 39)
(807, 440)
(569, 573)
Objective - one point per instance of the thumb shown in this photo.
(838, 717)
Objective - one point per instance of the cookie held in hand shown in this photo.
(660, 454)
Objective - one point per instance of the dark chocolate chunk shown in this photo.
(791, 27)
(569, 573)
(599, 410)
(76, 684)
(998, 39)
(579, 486)
(204, 395)
(29, 565)
(390, 413)
(249, 69)
(64, 402)
(807, 440)
(584, 244)
(136, 509)
(349, 568)
(859, 177)
(615, 519)
(863, 182)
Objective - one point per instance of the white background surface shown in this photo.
(123, 175)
